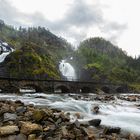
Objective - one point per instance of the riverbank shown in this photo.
(27, 122)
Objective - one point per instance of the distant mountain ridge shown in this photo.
(99, 60)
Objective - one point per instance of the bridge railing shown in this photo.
(70, 78)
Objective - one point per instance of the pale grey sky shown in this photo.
(76, 20)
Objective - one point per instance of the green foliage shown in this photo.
(135, 87)
(102, 61)
(28, 64)
(37, 52)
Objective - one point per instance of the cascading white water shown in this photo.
(67, 70)
(6, 50)
(3, 56)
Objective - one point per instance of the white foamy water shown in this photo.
(118, 112)
(3, 56)
(6, 50)
(67, 70)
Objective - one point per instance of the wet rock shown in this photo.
(38, 115)
(64, 117)
(4, 108)
(21, 109)
(40, 97)
(94, 122)
(78, 115)
(77, 123)
(51, 120)
(46, 128)
(7, 130)
(9, 117)
(52, 127)
(110, 130)
(19, 103)
(58, 121)
(90, 133)
(96, 109)
(64, 131)
(132, 137)
(28, 128)
(21, 137)
(11, 137)
(32, 137)
(132, 99)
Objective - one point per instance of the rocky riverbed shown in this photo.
(27, 122)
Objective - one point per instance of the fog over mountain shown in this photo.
(77, 20)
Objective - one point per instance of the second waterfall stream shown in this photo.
(67, 70)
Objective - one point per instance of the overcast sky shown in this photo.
(76, 20)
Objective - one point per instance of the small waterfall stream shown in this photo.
(5, 50)
(67, 70)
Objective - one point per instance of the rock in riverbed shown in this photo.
(94, 122)
(28, 128)
(9, 117)
(7, 130)
(26, 122)
(110, 130)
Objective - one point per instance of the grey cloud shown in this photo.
(11, 15)
(80, 15)
(114, 30)
(8, 12)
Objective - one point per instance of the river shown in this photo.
(116, 112)
(113, 112)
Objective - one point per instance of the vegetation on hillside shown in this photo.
(100, 60)
(37, 51)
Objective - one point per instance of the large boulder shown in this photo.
(94, 122)
(7, 130)
(9, 117)
(38, 115)
(110, 130)
(95, 109)
(21, 109)
(28, 128)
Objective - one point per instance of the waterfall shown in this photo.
(5, 50)
(67, 70)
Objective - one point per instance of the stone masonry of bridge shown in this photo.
(14, 85)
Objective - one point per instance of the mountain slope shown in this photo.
(37, 52)
(100, 60)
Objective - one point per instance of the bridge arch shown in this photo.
(122, 89)
(85, 89)
(10, 89)
(35, 87)
(105, 89)
(62, 89)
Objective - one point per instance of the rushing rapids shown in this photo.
(114, 110)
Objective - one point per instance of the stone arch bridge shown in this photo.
(13, 85)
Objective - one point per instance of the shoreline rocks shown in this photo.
(7, 130)
(25, 122)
